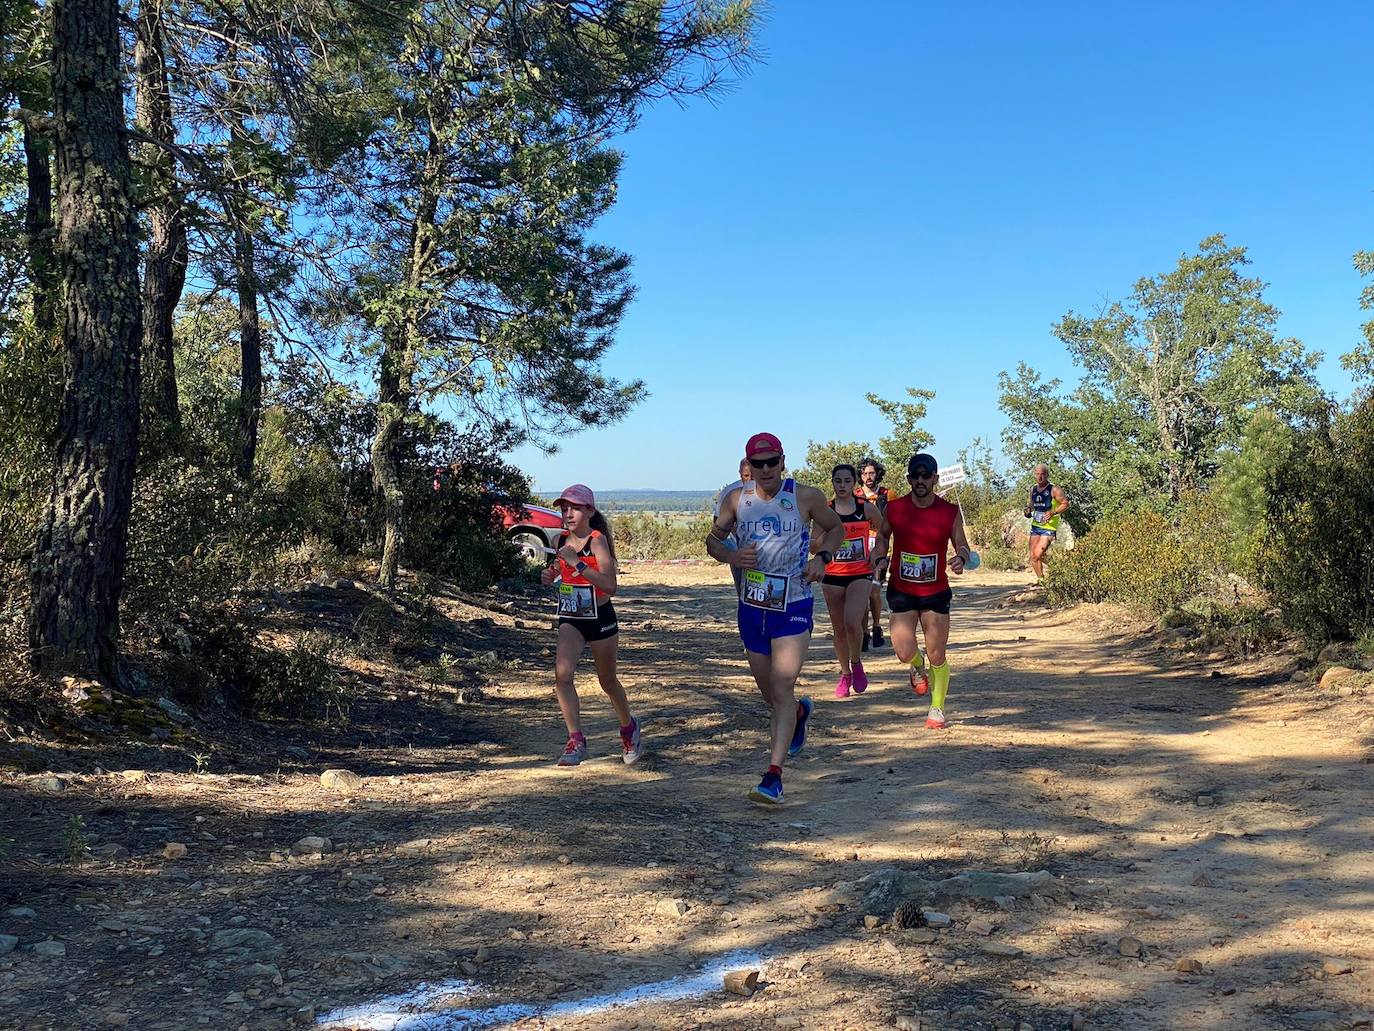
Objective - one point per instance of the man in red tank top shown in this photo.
(923, 527)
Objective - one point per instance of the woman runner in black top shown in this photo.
(586, 618)
(849, 576)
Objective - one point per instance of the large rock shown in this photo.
(890, 887)
(312, 845)
(341, 780)
(244, 943)
(8, 943)
(672, 908)
(1336, 675)
(983, 884)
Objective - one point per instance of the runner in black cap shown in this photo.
(923, 527)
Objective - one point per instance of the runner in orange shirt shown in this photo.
(849, 577)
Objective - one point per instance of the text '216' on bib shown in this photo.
(764, 590)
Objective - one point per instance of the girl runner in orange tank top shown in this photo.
(586, 576)
(849, 577)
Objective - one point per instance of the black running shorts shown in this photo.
(845, 581)
(900, 601)
(598, 629)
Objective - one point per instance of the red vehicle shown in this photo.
(532, 528)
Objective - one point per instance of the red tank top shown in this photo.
(572, 576)
(852, 558)
(920, 538)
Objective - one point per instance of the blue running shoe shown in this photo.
(769, 790)
(799, 735)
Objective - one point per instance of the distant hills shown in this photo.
(646, 500)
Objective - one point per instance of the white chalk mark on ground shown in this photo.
(433, 1007)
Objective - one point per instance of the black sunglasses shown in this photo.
(765, 463)
(923, 474)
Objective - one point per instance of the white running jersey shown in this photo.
(775, 527)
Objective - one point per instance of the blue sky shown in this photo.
(911, 194)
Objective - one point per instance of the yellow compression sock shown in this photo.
(939, 684)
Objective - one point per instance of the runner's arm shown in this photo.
(1061, 502)
(603, 579)
(961, 548)
(721, 526)
(813, 507)
(879, 523)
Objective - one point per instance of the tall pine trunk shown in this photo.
(38, 230)
(396, 376)
(78, 562)
(165, 268)
(250, 348)
(394, 395)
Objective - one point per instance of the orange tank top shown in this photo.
(853, 557)
(570, 574)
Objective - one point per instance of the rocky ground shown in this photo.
(1115, 832)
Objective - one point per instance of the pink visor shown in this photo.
(577, 494)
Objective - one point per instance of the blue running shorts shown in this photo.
(759, 628)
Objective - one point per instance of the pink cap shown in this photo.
(761, 444)
(578, 494)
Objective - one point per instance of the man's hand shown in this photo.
(814, 571)
(746, 557)
(956, 565)
(548, 575)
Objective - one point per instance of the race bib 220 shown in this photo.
(918, 569)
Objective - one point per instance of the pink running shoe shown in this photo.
(860, 678)
(842, 688)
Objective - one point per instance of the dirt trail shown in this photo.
(1211, 813)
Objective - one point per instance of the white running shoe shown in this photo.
(632, 746)
(573, 752)
(935, 719)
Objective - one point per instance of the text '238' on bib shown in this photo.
(577, 601)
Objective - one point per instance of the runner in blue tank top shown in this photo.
(768, 521)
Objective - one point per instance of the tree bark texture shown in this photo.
(38, 230)
(165, 262)
(250, 348)
(78, 562)
(394, 390)
(396, 378)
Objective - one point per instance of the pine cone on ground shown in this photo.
(908, 915)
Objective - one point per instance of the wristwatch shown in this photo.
(580, 565)
(825, 556)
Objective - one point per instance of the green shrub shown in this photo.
(1317, 556)
(196, 536)
(1138, 559)
(991, 530)
(216, 657)
(30, 398)
(642, 535)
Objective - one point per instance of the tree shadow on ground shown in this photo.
(1094, 771)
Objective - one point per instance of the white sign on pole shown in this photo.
(952, 474)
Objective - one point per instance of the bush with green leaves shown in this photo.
(990, 532)
(196, 536)
(643, 535)
(1144, 559)
(1317, 555)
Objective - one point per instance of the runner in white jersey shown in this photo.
(767, 521)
